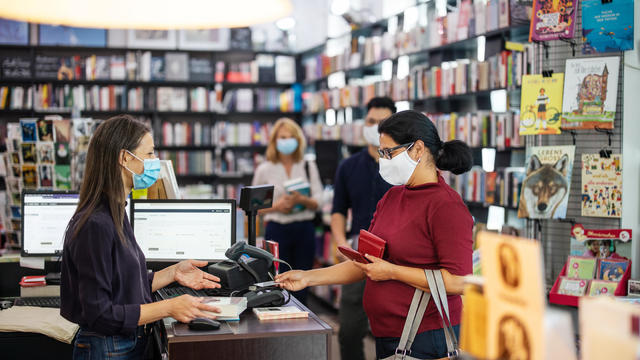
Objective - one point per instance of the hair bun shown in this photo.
(454, 156)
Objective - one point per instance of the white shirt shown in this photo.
(276, 175)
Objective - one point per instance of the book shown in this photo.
(200, 69)
(602, 185)
(176, 66)
(573, 287)
(541, 104)
(581, 267)
(230, 307)
(298, 185)
(602, 288)
(607, 27)
(611, 269)
(590, 93)
(45, 130)
(553, 20)
(280, 312)
(545, 189)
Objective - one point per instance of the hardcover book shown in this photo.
(602, 288)
(553, 20)
(545, 190)
(573, 287)
(612, 269)
(541, 104)
(602, 185)
(590, 93)
(581, 267)
(176, 66)
(607, 27)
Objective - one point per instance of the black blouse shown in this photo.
(104, 281)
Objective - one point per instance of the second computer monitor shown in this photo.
(173, 230)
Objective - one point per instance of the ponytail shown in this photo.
(454, 156)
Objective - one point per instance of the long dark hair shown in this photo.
(409, 126)
(103, 174)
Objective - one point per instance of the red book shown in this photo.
(274, 248)
(32, 281)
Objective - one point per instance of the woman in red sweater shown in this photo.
(426, 225)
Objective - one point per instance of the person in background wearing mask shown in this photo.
(105, 285)
(358, 186)
(289, 221)
(426, 226)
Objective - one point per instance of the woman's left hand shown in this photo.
(378, 269)
(188, 274)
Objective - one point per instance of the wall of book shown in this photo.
(591, 103)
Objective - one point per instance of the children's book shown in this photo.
(602, 288)
(573, 287)
(545, 189)
(590, 93)
(553, 20)
(607, 27)
(602, 185)
(581, 267)
(541, 104)
(612, 269)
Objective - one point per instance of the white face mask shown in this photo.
(399, 169)
(371, 136)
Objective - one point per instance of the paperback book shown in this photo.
(581, 267)
(573, 287)
(612, 269)
(281, 312)
(602, 288)
(590, 93)
(230, 307)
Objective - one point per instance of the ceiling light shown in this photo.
(147, 14)
(286, 24)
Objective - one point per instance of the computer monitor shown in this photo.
(173, 230)
(45, 216)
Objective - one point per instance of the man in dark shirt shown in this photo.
(359, 187)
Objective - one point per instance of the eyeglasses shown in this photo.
(388, 152)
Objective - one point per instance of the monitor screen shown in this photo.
(170, 230)
(45, 216)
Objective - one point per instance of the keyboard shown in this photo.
(173, 291)
(45, 301)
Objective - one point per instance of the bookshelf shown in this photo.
(213, 87)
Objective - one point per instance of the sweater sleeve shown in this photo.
(341, 203)
(451, 229)
(93, 257)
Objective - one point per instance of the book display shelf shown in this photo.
(210, 111)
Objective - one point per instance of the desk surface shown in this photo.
(250, 327)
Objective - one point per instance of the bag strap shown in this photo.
(438, 291)
(412, 323)
(445, 305)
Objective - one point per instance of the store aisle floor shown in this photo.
(330, 316)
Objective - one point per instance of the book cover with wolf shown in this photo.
(546, 187)
(590, 93)
(602, 185)
(541, 104)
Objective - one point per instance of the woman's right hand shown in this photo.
(293, 280)
(284, 204)
(186, 308)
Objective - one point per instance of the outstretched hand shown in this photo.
(187, 273)
(378, 269)
(293, 280)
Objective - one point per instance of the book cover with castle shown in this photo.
(545, 189)
(590, 93)
(553, 20)
(602, 185)
(541, 104)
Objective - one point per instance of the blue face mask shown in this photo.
(287, 146)
(149, 175)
